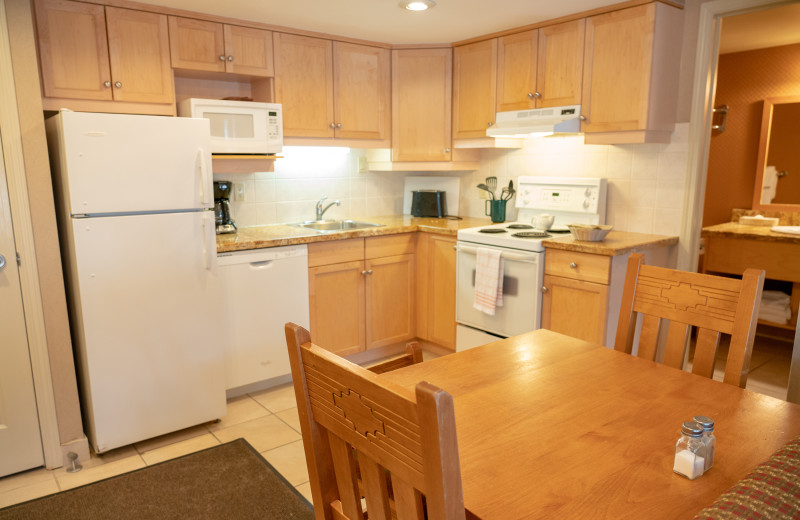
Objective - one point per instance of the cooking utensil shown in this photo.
(491, 182)
(507, 193)
(484, 187)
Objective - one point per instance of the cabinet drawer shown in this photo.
(578, 266)
(335, 252)
(390, 245)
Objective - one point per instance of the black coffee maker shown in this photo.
(222, 207)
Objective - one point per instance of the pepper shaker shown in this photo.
(708, 438)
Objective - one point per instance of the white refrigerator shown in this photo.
(135, 209)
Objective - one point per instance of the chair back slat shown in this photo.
(353, 422)
(648, 341)
(705, 352)
(712, 304)
(344, 465)
(376, 490)
(677, 341)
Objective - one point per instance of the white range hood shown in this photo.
(540, 121)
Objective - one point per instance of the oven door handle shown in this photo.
(514, 257)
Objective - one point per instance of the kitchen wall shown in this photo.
(645, 181)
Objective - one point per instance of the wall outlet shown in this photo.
(362, 164)
(239, 192)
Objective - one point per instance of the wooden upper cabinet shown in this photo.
(630, 77)
(78, 60)
(474, 88)
(516, 71)
(421, 104)
(138, 50)
(73, 50)
(215, 47)
(560, 65)
(361, 77)
(304, 84)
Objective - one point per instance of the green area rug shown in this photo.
(228, 481)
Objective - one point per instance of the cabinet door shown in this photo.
(304, 84)
(421, 104)
(196, 44)
(248, 51)
(361, 76)
(390, 300)
(618, 59)
(516, 71)
(474, 88)
(442, 296)
(336, 307)
(73, 50)
(560, 64)
(575, 308)
(138, 50)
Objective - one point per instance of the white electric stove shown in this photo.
(570, 201)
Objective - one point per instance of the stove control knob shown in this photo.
(586, 204)
(588, 192)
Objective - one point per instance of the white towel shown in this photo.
(775, 307)
(769, 185)
(488, 281)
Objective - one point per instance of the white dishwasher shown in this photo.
(262, 290)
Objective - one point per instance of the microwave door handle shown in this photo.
(514, 257)
(202, 170)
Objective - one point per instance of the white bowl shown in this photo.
(543, 222)
(589, 233)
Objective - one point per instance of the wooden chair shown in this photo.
(353, 421)
(412, 356)
(714, 304)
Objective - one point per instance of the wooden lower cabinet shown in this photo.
(362, 292)
(436, 289)
(575, 308)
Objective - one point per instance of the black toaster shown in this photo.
(428, 203)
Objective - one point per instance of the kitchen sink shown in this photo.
(334, 225)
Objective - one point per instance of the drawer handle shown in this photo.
(573, 265)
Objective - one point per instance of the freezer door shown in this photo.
(145, 318)
(116, 163)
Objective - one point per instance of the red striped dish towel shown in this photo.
(488, 280)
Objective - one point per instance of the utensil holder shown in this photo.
(496, 209)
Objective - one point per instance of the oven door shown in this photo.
(522, 291)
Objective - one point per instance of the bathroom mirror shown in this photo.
(777, 184)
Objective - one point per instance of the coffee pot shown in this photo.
(222, 207)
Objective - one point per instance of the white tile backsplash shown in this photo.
(646, 181)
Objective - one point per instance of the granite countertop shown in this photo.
(736, 230)
(283, 235)
(616, 243)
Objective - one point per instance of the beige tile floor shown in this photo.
(268, 420)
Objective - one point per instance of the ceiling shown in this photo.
(761, 29)
(383, 21)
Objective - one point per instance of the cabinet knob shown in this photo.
(364, 272)
(118, 84)
(582, 118)
(537, 95)
(230, 58)
(338, 125)
(530, 95)
(221, 57)
(369, 272)
(573, 265)
(490, 123)
(544, 289)
(447, 150)
(333, 125)
(107, 84)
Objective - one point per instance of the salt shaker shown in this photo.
(690, 451)
(708, 438)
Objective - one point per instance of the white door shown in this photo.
(20, 441)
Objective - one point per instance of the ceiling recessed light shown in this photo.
(417, 5)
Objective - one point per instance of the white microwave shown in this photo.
(239, 127)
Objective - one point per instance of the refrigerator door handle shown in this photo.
(209, 241)
(202, 170)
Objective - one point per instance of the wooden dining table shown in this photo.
(551, 426)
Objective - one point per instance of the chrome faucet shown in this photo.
(320, 210)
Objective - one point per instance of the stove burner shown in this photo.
(531, 234)
(558, 231)
(520, 226)
(492, 230)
